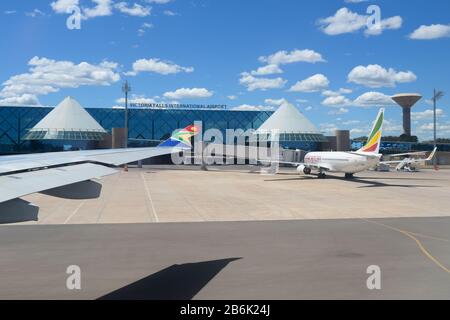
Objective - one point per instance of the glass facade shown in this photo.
(144, 124)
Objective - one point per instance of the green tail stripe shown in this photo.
(377, 126)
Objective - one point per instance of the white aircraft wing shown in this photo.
(113, 157)
(410, 161)
(21, 184)
(25, 174)
(422, 153)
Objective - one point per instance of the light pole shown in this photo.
(126, 88)
(436, 96)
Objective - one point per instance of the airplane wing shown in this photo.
(422, 153)
(21, 175)
(410, 161)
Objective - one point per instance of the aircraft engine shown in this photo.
(303, 169)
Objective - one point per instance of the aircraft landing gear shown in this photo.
(322, 175)
(349, 176)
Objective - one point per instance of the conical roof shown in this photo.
(288, 119)
(67, 121)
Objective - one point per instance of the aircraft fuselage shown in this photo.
(341, 162)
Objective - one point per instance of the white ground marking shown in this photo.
(75, 212)
(155, 215)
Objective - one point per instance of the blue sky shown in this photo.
(319, 55)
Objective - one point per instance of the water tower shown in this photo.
(407, 101)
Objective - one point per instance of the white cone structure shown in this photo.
(288, 119)
(290, 125)
(67, 121)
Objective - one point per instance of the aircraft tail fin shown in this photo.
(373, 143)
(181, 138)
(432, 154)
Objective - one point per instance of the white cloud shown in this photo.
(330, 93)
(355, 1)
(247, 107)
(276, 102)
(170, 13)
(370, 99)
(351, 122)
(267, 70)
(339, 111)
(9, 12)
(315, 83)
(252, 83)
(136, 10)
(426, 115)
(157, 66)
(431, 32)
(185, 93)
(137, 99)
(392, 23)
(61, 6)
(439, 127)
(22, 100)
(375, 76)
(47, 76)
(158, 1)
(232, 97)
(334, 101)
(346, 21)
(328, 128)
(102, 8)
(343, 21)
(35, 13)
(284, 57)
(144, 27)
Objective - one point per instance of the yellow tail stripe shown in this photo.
(374, 140)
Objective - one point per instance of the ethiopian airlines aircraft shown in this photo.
(353, 162)
(25, 174)
(347, 162)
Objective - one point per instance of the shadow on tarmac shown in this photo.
(178, 282)
(369, 183)
(78, 191)
(18, 210)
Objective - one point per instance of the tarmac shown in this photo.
(230, 233)
(187, 194)
(320, 259)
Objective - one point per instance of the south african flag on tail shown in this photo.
(374, 141)
(181, 138)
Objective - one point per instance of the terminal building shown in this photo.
(147, 126)
(28, 129)
(70, 127)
